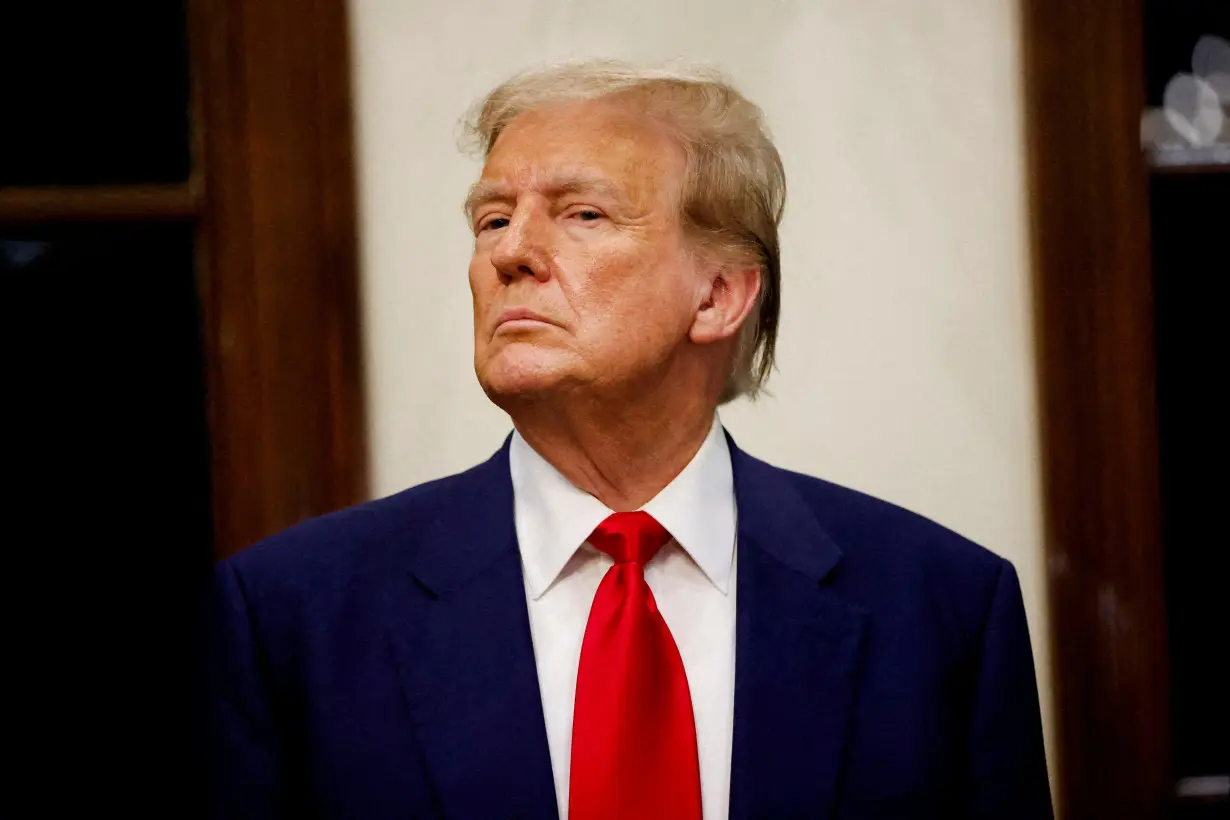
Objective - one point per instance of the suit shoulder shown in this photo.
(362, 536)
(869, 527)
(916, 576)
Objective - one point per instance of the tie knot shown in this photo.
(630, 536)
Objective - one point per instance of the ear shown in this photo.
(727, 299)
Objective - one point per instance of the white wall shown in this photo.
(906, 361)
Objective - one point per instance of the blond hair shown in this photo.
(735, 189)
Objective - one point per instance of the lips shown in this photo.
(523, 315)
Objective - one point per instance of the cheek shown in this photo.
(645, 300)
(482, 282)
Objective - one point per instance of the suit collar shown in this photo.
(798, 645)
(778, 519)
(476, 523)
(465, 656)
(698, 508)
(553, 517)
(472, 528)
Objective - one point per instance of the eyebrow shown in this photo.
(482, 192)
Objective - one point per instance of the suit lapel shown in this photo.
(467, 664)
(796, 658)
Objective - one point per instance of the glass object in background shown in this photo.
(1187, 58)
(93, 93)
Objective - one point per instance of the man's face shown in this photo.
(581, 277)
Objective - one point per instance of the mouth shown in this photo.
(515, 318)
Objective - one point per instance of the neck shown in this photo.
(622, 453)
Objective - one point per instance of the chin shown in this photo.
(520, 371)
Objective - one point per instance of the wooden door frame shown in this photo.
(1085, 91)
(272, 194)
(278, 262)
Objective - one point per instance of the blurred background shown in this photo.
(234, 296)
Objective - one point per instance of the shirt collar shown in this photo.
(553, 517)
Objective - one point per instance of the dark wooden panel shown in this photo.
(1089, 196)
(279, 274)
(130, 202)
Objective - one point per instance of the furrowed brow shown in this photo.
(602, 187)
(483, 192)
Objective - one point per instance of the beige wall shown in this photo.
(906, 361)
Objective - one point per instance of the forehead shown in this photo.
(582, 144)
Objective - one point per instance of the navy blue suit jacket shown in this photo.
(377, 663)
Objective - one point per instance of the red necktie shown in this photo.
(633, 732)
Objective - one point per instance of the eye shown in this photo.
(493, 224)
(588, 215)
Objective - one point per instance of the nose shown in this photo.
(523, 247)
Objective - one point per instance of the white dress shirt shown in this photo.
(692, 578)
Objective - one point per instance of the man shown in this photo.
(621, 614)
